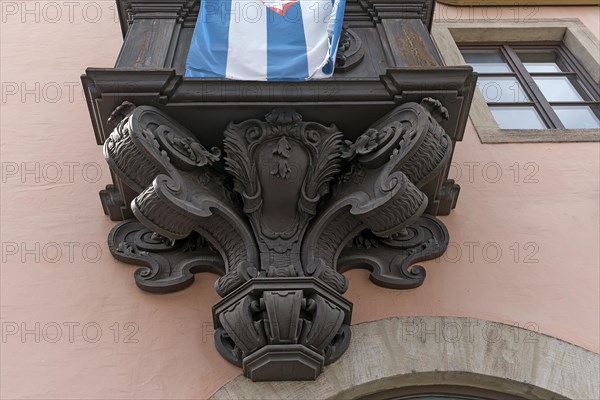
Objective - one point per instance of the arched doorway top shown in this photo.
(416, 351)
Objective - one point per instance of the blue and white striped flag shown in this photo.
(274, 40)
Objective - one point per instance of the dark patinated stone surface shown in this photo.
(288, 206)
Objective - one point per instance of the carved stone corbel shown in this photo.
(289, 207)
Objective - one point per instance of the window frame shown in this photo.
(526, 79)
(580, 42)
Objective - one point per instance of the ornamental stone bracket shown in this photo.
(279, 213)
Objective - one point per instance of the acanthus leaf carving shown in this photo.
(260, 156)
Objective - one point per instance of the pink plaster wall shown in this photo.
(171, 353)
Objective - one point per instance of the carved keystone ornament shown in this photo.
(279, 214)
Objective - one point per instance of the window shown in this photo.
(535, 86)
(540, 77)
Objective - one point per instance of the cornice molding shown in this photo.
(152, 9)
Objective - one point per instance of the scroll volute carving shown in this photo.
(379, 187)
(350, 51)
(179, 190)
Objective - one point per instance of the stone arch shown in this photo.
(422, 351)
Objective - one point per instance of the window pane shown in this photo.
(541, 61)
(577, 117)
(558, 88)
(542, 67)
(485, 61)
(525, 117)
(501, 90)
